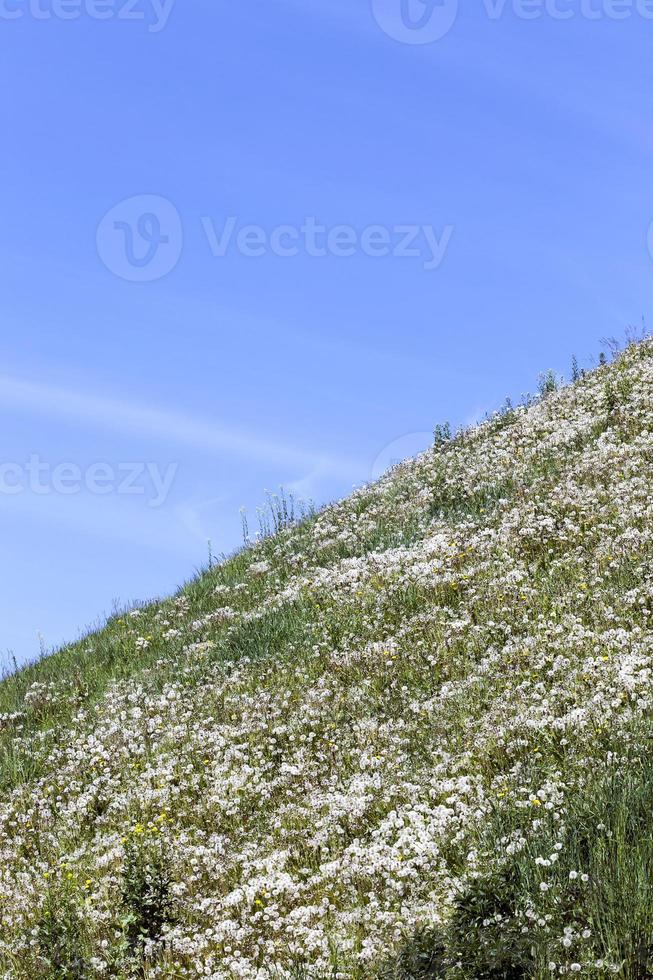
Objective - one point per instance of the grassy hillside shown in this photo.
(408, 737)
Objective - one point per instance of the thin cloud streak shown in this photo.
(114, 414)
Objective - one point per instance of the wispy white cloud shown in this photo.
(170, 427)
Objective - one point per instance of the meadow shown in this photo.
(406, 736)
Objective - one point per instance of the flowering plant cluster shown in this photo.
(399, 736)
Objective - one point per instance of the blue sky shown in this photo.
(176, 339)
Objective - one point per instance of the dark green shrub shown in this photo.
(421, 957)
(484, 934)
(61, 938)
(146, 892)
